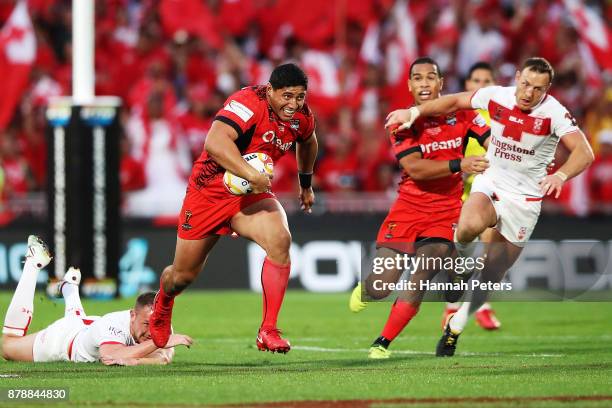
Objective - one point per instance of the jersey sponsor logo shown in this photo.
(270, 137)
(516, 120)
(442, 145)
(510, 151)
(239, 110)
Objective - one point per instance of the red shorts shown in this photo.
(208, 211)
(404, 226)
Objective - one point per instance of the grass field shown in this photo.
(545, 355)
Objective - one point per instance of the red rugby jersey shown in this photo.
(259, 130)
(437, 138)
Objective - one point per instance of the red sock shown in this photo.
(274, 280)
(401, 313)
(165, 301)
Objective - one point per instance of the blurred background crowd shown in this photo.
(173, 63)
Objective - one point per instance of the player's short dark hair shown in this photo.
(539, 65)
(145, 299)
(426, 60)
(288, 75)
(480, 65)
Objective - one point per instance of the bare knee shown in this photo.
(5, 347)
(277, 246)
(17, 348)
(377, 294)
(375, 288)
(469, 229)
(477, 214)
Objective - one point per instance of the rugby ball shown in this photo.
(239, 186)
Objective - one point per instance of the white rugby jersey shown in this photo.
(522, 143)
(112, 328)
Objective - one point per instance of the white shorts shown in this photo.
(52, 343)
(517, 214)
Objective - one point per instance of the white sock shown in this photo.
(459, 320)
(70, 292)
(453, 305)
(19, 313)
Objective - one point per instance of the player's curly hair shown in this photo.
(145, 299)
(288, 75)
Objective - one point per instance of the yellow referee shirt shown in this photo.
(474, 149)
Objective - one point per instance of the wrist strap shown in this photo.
(561, 175)
(414, 113)
(305, 180)
(454, 165)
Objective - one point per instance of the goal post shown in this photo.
(84, 134)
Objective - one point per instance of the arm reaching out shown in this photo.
(158, 357)
(440, 106)
(143, 353)
(427, 169)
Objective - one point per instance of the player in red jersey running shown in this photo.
(267, 119)
(420, 223)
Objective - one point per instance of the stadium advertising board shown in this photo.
(330, 256)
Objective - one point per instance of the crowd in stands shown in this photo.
(173, 63)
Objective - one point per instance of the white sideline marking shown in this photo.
(9, 376)
(478, 337)
(249, 340)
(359, 350)
(415, 352)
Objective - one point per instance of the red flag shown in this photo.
(17, 54)
(324, 88)
(192, 16)
(591, 70)
(402, 50)
(593, 31)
